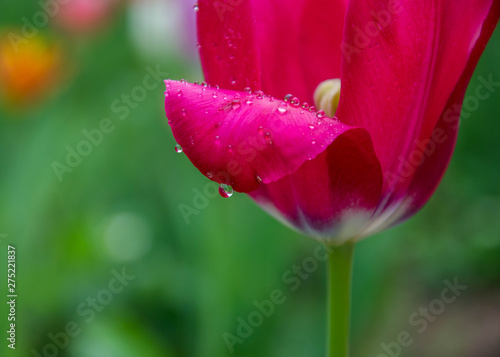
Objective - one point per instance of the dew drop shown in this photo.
(312, 108)
(282, 108)
(311, 127)
(259, 94)
(217, 140)
(236, 103)
(258, 179)
(320, 114)
(305, 105)
(210, 175)
(204, 84)
(179, 93)
(247, 90)
(249, 100)
(183, 81)
(178, 148)
(294, 102)
(183, 112)
(230, 149)
(196, 8)
(288, 97)
(214, 95)
(260, 130)
(225, 190)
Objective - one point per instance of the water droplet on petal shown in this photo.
(247, 90)
(179, 93)
(204, 84)
(178, 148)
(249, 100)
(305, 105)
(312, 108)
(210, 175)
(225, 190)
(288, 97)
(217, 140)
(259, 94)
(230, 149)
(282, 108)
(258, 179)
(320, 114)
(196, 8)
(214, 95)
(311, 127)
(260, 130)
(236, 103)
(294, 102)
(183, 112)
(183, 81)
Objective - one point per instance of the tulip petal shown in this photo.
(237, 139)
(440, 147)
(272, 45)
(228, 44)
(402, 62)
(331, 197)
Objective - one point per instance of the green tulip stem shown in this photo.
(340, 276)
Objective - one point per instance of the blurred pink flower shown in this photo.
(85, 16)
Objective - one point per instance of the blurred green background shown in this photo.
(189, 282)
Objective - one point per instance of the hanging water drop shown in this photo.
(178, 148)
(225, 190)
(196, 8)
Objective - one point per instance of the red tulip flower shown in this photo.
(387, 80)
(403, 67)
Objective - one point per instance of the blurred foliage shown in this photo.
(119, 209)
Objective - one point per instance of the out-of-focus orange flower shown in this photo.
(85, 16)
(28, 71)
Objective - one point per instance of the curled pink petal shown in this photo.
(245, 139)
